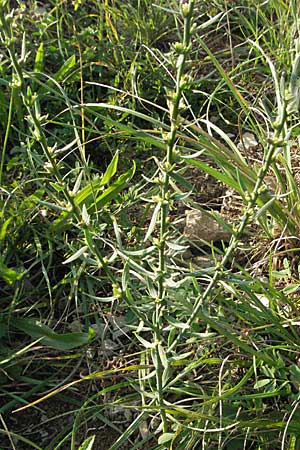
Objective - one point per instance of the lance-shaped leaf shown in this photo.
(66, 341)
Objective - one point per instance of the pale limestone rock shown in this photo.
(200, 226)
(248, 141)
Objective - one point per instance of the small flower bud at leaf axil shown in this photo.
(185, 7)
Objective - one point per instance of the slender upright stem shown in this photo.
(29, 99)
(275, 143)
(182, 49)
(8, 125)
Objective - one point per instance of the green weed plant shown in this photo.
(104, 114)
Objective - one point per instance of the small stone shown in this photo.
(201, 227)
(248, 141)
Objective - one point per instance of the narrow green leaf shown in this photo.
(176, 247)
(11, 356)
(76, 255)
(77, 183)
(291, 288)
(87, 444)
(137, 267)
(264, 208)
(293, 442)
(111, 193)
(65, 68)
(145, 343)
(19, 437)
(181, 180)
(238, 156)
(9, 275)
(241, 181)
(223, 330)
(3, 228)
(4, 106)
(177, 323)
(208, 23)
(53, 206)
(236, 93)
(261, 383)
(227, 179)
(166, 437)
(123, 439)
(66, 341)
(163, 356)
(111, 170)
(88, 195)
(85, 215)
(153, 221)
(39, 59)
(143, 252)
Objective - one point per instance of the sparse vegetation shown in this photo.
(119, 329)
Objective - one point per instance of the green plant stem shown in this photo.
(7, 130)
(167, 167)
(29, 100)
(249, 212)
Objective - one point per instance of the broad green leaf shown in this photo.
(66, 341)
